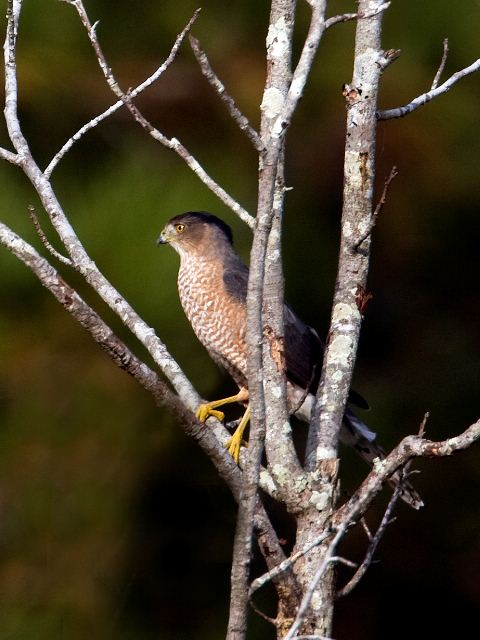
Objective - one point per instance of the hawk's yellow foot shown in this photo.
(204, 411)
(236, 441)
(207, 409)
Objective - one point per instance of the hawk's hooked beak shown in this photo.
(163, 238)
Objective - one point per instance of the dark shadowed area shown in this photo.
(113, 524)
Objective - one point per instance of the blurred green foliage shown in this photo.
(113, 524)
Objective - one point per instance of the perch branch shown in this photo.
(149, 380)
(118, 351)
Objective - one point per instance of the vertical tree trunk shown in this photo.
(359, 173)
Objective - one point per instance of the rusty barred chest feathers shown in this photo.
(213, 304)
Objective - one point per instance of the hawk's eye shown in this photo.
(179, 228)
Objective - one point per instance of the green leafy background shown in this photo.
(113, 524)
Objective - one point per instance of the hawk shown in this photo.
(212, 284)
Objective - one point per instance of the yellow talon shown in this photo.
(234, 444)
(204, 411)
(207, 409)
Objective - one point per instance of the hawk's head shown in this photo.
(195, 232)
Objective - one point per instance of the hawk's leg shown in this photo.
(206, 410)
(235, 442)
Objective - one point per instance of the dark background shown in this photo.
(113, 524)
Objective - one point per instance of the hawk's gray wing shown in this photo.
(304, 354)
(303, 347)
(303, 351)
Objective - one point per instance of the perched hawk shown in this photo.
(212, 284)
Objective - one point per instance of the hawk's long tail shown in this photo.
(358, 436)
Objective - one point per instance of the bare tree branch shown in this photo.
(302, 70)
(328, 558)
(400, 112)
(359, 176)
(372, 547)
(81, 260)
(121, 355)
(219, 87)
(409, 447)
(10, 157)
(306, 576)
(43, 237)
(170, 143)
(346, 17)
(286, 564)
(441, 67)
(393, 174)
(120, 103)
(265, 287)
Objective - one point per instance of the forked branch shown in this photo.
(170, 143)
(436, 91)
(120, 103)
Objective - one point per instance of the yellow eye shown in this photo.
(179, 228)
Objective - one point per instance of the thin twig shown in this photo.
(393, 174)
(135, 92)
(347, 17)
(367, 561)
(366, 528)
(328, 558)
(441, 67)
(286, 564)
(83, 263)
(260, 613)
(170, 143)
(400, 112)
(345, 561)
(219, 87)
(423, 424)
(43, 237)
(9, 156)
(304, 65)
(410, 447)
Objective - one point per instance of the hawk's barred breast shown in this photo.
(217, 319)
